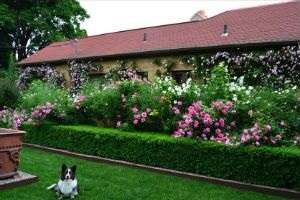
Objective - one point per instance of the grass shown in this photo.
(103, 181)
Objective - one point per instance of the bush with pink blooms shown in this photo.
(139, 102)
(260, 135)
(10, 118)
(39, 113)
(207, 123)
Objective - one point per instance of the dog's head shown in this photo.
(68, 173)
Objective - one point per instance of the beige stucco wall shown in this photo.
(144, 63)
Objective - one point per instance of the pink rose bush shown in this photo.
(259, 135)
(137, 116)
(12, 118)
(206, 123)
(40, 112)
(78, 101)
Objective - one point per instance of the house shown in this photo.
(256, 27)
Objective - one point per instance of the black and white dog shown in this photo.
(67, 186)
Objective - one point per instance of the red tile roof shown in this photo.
(263, 24)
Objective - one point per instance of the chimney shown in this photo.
(200, 15)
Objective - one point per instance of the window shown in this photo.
(97, 78)
(181, 76)
(143, 75)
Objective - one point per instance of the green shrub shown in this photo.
(143, 97)
(9, 94)
(280, 109)
(38, 93)
(278, 167)
(102, 106)
(217, 86)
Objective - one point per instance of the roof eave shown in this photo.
(164, 51)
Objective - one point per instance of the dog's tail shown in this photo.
(51, 186)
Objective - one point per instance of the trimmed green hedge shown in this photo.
(278, 167)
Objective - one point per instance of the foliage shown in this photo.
(9, 71)
(275, 67)
(216, 87)
(48, 74)
(181, 110)
(280, 109)
(39, 96)
(31, 25)
(79, 74)
(282, 67)
(157, 62)
(167, 64)
(140, 102)
(124, 71)
(186, 92)
(174, 98)
(278, 167)
(102, 106)
(212, 124)
(9, 94)
(40, 112)
(38, 93)
(10, 118)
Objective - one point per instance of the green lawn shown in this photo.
(103, 181)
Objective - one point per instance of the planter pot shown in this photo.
(10, 147)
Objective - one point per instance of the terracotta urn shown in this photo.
(10, 147)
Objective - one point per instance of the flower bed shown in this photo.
(223, 110)
(278, 167)
(219, 106)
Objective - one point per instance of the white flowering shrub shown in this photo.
(187, 92)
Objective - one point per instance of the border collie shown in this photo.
(67, 185)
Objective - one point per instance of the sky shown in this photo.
(118, 15)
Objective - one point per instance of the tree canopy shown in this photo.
(29, 25)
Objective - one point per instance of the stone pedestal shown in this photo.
(10, 147)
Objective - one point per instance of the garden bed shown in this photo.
(277, 167)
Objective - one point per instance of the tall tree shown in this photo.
(30, 25)
(5, 41)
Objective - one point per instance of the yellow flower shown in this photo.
(154, 113)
